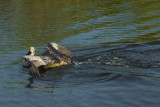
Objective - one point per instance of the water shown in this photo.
(116, 43)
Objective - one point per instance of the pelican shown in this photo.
(58, 56)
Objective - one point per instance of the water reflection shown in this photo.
(31, 82)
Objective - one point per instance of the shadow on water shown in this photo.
(104, 64)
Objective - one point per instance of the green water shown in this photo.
(113, 39)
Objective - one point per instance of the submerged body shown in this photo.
(57, 56)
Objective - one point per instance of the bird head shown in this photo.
(31, 51)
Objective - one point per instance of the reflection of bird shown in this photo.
(57, 56)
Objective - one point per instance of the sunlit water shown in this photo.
(116, 43)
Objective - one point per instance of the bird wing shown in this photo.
(33, 67)
(48, 54)
(60, 50)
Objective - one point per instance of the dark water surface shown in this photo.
(117, 43)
